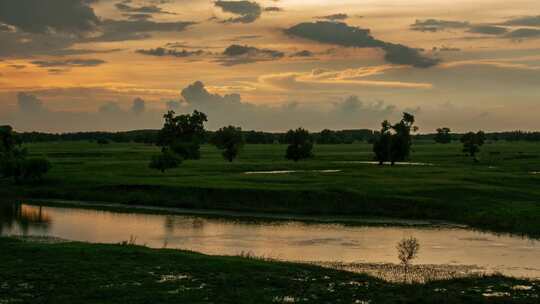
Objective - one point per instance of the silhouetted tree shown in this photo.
(14, 161)
(472, 143)
(166, 160)
(443, 136)
(394, 141)
(383, 143)
(8, 139)
(229, 139)
(183, 134)
(300, 144)
(103, 141)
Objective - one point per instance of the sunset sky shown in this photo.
(72, 65)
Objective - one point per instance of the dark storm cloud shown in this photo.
(487, 30)
(246, 11)
(436, 25)
(242, 54)
(334, 17)
(39, 16)
(161, 52)
(524, 21)
(68, 63)
(341, 34)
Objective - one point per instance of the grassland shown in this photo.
(33, 272)
(500, 193)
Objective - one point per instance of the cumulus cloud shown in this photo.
(341, 34)
(139, 106)
(230, 109)
(242, 54)
(110, 108)
(29, 103)
(246, 11)
(31, 114)
(173, 105)
(38, 16)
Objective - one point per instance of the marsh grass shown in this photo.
(413, 274)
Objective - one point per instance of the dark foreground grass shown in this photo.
(85, 273)
(500, 193)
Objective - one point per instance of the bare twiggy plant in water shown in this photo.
(407, 250)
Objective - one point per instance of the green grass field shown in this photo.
(84, 273)
(500, 193)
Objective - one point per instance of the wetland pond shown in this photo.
(283, 240)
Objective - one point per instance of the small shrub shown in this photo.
(408, 250)
(164, 161)
(25, 170)
(300, 144)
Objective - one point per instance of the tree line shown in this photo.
(325, 136)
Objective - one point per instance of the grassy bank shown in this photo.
(500, 193)
(84, 273)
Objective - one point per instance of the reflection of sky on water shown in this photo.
(285, 240)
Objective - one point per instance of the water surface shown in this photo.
(287, 240)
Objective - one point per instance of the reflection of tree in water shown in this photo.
(24, 216)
